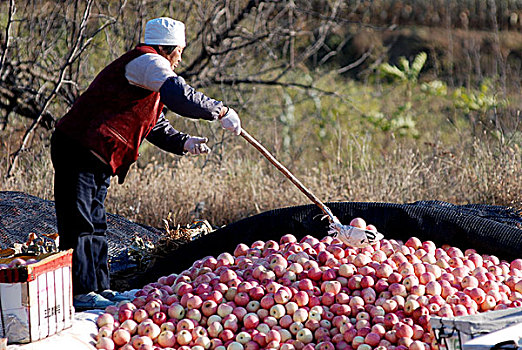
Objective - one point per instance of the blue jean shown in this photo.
(80, 186)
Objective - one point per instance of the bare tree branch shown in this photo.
(12, 10)
(80, 44)
(290, 85)
(356, 63)
(68, 61)
(205, 54)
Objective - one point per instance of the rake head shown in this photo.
(351, 235)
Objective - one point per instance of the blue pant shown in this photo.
(80, 186)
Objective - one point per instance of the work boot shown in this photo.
(114, 296)
(90, 300)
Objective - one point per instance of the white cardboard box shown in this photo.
(510, 334)
(451, 333)
(36, 300)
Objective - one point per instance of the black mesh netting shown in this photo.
(21, 214)
(489, 229)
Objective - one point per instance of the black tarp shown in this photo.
(494, 230)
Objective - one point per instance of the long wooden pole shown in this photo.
(287, 173)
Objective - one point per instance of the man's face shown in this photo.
(175, 57)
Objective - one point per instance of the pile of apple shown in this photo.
(312, 294)
(18, 262)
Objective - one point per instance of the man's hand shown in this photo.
(196, 145)
(231, 122)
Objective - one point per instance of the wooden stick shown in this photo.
(287, 173)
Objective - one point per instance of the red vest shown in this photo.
(112, 117)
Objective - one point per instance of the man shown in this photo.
(100, 136)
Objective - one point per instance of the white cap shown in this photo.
(165, 31)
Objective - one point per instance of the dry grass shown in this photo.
(240, 186)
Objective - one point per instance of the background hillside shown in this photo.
(389, 101)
